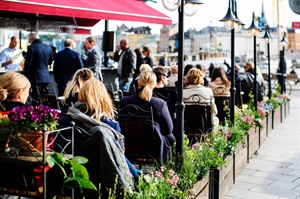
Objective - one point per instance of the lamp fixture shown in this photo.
(190, 6)
(284, 40)
(267, 36)
(230, 20)
(253, 29)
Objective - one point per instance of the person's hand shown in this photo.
(10, 61)
(126, 79)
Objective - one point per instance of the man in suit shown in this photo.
(39, 57)
(126, 66)
(93, 60)
(66, 63)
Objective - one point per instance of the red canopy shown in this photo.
(81, 12)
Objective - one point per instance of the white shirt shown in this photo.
(10, 54)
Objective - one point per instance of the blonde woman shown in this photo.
(144, 99)
(73, 86)
(14, 90)
(94, 107)
(194, 81)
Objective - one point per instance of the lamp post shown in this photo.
(254, 30)
(191, 8)
(231, 22)
(268, 38)
(282, 63)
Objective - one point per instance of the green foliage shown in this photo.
(75, 174)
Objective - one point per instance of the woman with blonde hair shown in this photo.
(73, 86)
(14, 90)
(144, 99)
(93, 108)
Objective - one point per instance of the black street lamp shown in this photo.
(268, 38)
(191, 8)
(254, 30)
(282, 63)
(231, 22)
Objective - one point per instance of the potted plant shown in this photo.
(27, 123)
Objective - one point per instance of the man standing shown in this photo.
(93, 60)
(66, 63)
(11, 57)
(126, 66)
(39, 57)
(164, 60)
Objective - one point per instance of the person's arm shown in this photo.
(3, 58)
(95, 61)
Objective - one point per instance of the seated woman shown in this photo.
(144, 99)
(73, 86)
(194, 81)
(219, 82)
(95, 106)
(14, 90)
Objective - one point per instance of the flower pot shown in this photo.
(31, 141)
(240, 156)
(253, 141)
(221, 179)
(263, 130)
(276, 116)
(200, 189)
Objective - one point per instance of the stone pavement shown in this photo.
(275, 172)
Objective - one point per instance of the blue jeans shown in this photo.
(123, 85)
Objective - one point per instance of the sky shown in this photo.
(209, 13)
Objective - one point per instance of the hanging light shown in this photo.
(267, 36)
(284, 40)
(230, 21)
(253, 29)
(190, 6)
(171, 5)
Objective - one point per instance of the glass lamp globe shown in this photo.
(190, 9)
(171, 5)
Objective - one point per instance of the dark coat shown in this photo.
(161, 113)
(93, 62)
(149, 61)
(128, 63)
(66, 63)
(39, 56)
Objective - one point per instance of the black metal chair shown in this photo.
(48, 96)
(198, 119)
(222, 101)
(143, 142)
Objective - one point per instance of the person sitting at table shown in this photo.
(194, 81)
(14, 90)
(95, 107)
(160, 90)
(219, 82)
(144, 99)
(73, 86)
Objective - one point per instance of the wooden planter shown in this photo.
(240, 157)
(276, 116)
(200, 189)
(263, 131)
(253, 143)
(286, 108)
(221, 179)
(269, 123)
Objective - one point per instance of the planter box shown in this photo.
(200, 189)
(240, 157)
(286, 108)
(263, 131)
(276, 116)
(221, 179)
(269, 123)
(253, 143)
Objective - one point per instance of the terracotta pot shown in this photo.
(31, 141)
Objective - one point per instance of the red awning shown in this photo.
(82, 12)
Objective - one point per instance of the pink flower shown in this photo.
(261, 111)
(162, 168)
(228, 134)
(196, 146)
(158, 174)
(247, 119)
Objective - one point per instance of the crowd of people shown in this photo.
(87, 100)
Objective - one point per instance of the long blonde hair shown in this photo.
(94, 94)
(11, 83)
(147, 81)
(73, 86)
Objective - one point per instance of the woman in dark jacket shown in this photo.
(148, 57)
